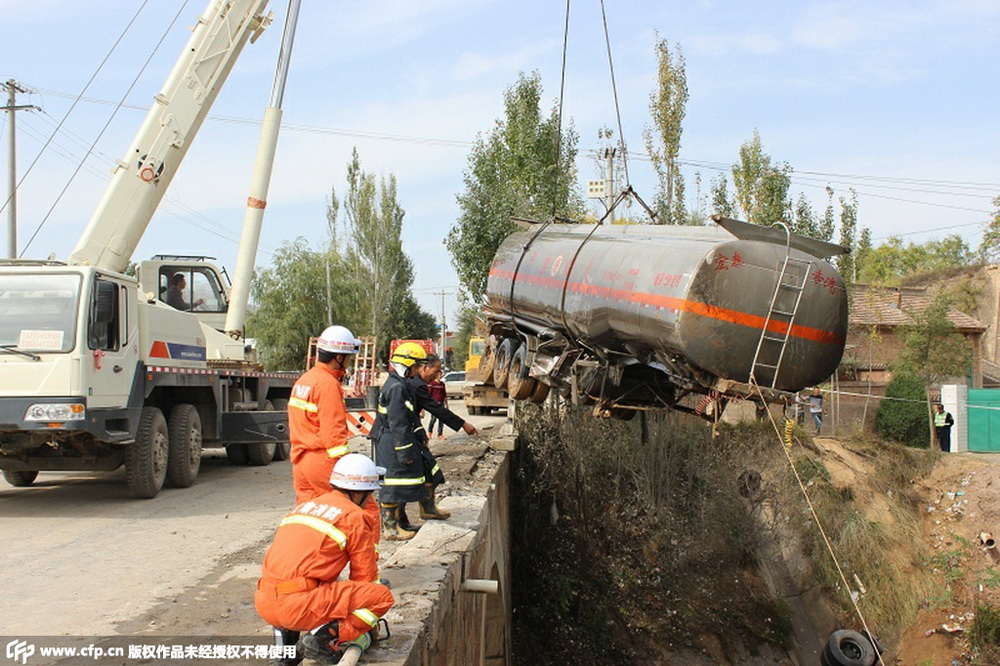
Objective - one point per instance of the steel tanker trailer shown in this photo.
(631, 317)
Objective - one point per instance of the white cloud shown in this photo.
(475, 65)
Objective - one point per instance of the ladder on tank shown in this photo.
(784, 305)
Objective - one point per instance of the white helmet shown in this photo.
(338, 340)
(356, 472)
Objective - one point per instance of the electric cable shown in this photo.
(562, 91)
(73, 105)
(106, 125)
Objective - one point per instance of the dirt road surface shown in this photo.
(82, 558)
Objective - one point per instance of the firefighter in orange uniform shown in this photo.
(299, 590)
(317, 415)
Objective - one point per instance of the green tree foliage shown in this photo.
(721, 203)
(989, 248)
(667, 106)
(761, 187)
(828, 222)
(848, 232)
(933, 349)
(902, 415)
(291, 303)
(373, 220)
(895, 260)
(805, 218)
(466, 331)
(514, 171)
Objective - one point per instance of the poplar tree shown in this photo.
(667, 106)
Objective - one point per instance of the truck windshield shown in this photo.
(38, 312)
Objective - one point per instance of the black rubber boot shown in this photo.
(390, 524)
(282, 639)
(428, 507)
(321, 645)
(404, 520)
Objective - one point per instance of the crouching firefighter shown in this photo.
(299, 592)
(398, 436)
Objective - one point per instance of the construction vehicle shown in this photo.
(633, 317)
(479, 396)
(97, 370)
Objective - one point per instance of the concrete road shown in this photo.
(81, 557)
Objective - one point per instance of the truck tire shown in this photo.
(540, 393)
(146, 460)
(260, 453)
(184, 456)
(282, 450)
(237, 454)
(504, 355)
(520, 385)
(849, 648)
(488, 360)
(20, 478)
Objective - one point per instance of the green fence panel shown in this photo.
(984, 420)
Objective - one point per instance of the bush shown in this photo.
(904, 419)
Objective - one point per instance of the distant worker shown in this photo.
(398, 436)
(435, 477)
(439, 392)
(299, 590)
(175, 294)
(943, 422)
(816, 408)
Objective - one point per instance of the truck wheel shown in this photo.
(260, 453)
(849, 648)
(282, 450)
(540, 393)
(184, 456)
(237, 454)
(20, 478)
(520, 385)
(146, 460)
(504, 355)
(488, 360)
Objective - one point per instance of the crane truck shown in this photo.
(96, 369)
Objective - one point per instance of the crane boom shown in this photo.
(141, 178)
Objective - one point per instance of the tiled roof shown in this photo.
(890, 306)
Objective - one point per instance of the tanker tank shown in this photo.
(644, 315)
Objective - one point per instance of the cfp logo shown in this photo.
(20, 650)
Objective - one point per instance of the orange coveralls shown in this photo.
(298, 589)
(317, 428)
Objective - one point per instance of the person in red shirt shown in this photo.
(300, 588)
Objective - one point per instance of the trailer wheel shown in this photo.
(504, 355)
(20, 478)
(849, 648)
(282, 450)
(184, 455)
(540, 393)
(237, 454)
(146, 461)
(520, 384)
(488, 360)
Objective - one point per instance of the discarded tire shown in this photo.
(20, 478)
(848, 648)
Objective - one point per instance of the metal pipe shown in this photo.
(986, 539)
(285, 55)
(480, 585)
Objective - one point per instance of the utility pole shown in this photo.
(12, 89)
(609, 155)
(444, 327)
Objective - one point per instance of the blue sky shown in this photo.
(896, 99)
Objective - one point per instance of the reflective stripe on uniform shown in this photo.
(402, 448)
(319, 525)
(404, 481)
(409, 405)
(437, 468)
(382, 410)
(337, 451)
(366, 616)
(303, 404)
